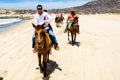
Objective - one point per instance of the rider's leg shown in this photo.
(33, 40)
(68, 26)
(78, 31)
(52, 36)
(50, 27)
(33, 44)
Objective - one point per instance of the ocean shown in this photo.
(7, 23)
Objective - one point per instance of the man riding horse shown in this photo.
(70, 19)
(59, 19)
(44, 18)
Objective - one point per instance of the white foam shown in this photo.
(8, 21)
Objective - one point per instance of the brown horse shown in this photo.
(73, 30)
(43, 45)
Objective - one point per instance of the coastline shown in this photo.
(20, 16)
(4, 27)
(16, 16)
(18, 25)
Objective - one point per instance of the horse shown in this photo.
(73, 30)
(59, 20)
(43, 44)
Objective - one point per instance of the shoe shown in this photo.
(56, 47)
(78, 31)
(34, 50)
(65, 31)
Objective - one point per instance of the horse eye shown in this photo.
(40, 35)
(36, 34)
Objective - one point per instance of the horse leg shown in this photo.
(68, 36)
(45, 64)
(48, 57)
(72, 38)
(56, 24)
(39, 60)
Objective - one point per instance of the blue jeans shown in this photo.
(33, 40)
(51, 34)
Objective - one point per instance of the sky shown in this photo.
(47, 4)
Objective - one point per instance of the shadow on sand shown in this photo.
(1, 78)
(51, 66)
(75, 43)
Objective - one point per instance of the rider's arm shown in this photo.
(68, 18)
(36, 20)
(49, 18)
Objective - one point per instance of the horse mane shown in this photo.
(72, 28)
(46, 38)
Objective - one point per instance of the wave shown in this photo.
(9, 21)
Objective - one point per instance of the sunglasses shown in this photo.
(39, 8)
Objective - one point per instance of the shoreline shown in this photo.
(10, 25)
(15, 26)
(20, 16)
(114, 16)
(5, 27)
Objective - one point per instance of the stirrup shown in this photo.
(65, 31)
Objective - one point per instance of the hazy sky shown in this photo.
(47, 4)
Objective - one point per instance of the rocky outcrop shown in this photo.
(95, 6)
(100, 6)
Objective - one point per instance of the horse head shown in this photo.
(39, 34)
(74, 24)
(75, 21)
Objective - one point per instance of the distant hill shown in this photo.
(95, 6)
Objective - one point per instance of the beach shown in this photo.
(96, 56)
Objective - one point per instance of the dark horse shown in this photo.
(43, 45)
(73, 30)
(59, 20)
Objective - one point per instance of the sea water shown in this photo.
(7, 23)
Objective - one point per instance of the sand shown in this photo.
(95, 57)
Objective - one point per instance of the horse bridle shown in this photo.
(40, 45)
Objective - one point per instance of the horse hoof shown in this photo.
(46, 75)
(48, 61)
(37, 68)
(72, 44)
(41, 69)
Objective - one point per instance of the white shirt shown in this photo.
(40, 19)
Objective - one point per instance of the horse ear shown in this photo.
(42, 25)
(33, 25)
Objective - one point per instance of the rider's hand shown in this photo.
(45, 24)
